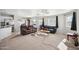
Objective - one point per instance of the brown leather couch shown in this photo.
(27, 29)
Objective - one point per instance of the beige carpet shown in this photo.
(31, 42)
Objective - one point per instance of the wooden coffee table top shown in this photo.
(45, 31)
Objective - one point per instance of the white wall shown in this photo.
(61, 24)
(77, 21)
(17, 23)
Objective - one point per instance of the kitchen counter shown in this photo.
(5, 32)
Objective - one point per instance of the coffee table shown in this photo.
(45, 31)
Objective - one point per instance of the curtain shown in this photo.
(43, 22)
(73, 25)
(56, 21)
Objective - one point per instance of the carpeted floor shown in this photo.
(31, 42)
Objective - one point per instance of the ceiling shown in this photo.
(34, 12)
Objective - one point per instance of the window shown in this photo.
(68, 21)
(50, 21)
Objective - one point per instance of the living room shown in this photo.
(39, 29)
